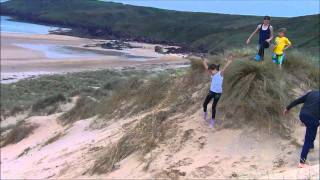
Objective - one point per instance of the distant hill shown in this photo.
(198, 31)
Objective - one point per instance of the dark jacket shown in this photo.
(311, 104)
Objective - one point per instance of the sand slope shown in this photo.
(195, 152)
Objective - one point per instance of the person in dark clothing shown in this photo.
(310, 117)
(265, 37)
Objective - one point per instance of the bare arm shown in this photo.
(252, 34)
(204, 62)
(289, 45)
(230, 59)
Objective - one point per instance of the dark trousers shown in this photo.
(311, 124)
(215, 97)
(262, 46)
(261, 51)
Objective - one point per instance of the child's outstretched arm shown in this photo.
(204, 62)
(230, 59)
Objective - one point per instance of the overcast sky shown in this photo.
(281, 8)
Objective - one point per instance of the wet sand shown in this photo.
(20, 62)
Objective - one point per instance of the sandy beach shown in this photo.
(24, 55)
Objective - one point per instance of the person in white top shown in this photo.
(216, 86)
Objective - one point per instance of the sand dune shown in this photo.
(205, 153)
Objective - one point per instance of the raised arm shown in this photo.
(230, 59)
(204, 62)
(252, 34)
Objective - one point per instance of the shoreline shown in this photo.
(82, 32)
(18, 61)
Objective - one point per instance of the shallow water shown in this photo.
(7, 25)
(61, 52)
(56, 51)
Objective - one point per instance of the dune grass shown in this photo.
(15, 133)
(254, 96)
(303, 66)
(53, 138)
(142, 138)
(84, 108)
(256, 93)
(48, 105)
(35, 94)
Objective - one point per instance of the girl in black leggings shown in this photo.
(215, 88)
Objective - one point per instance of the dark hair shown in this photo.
(267, 18)
(214, 67)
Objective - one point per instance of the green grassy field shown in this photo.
(199, 31)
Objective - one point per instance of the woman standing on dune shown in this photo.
(265, 37)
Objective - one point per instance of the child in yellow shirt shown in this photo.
(281, 44)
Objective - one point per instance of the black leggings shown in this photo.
(261, 51)
(215, 97)
(262, 46)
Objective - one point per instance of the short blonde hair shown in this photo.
(283, 30)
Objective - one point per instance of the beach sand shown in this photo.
(19, 62)
(205, 154)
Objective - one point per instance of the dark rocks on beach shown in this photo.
(60, 31)
(179, 50)
(119, 45)
(8, 78)
(171, 50)
(158, 49)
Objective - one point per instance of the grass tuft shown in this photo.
(256, 93)
(143, 138)
(48, 105)
(303, 66)
(85, 107)
(16, 133)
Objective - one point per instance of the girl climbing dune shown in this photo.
(216, 86)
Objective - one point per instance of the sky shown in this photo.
(280, 8)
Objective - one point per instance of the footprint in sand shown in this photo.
(183, 162)
(202, 141)
(278, 163)
(203, 172)
(234, 164)
(254, 166)
(215, 161)
(244, 159)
